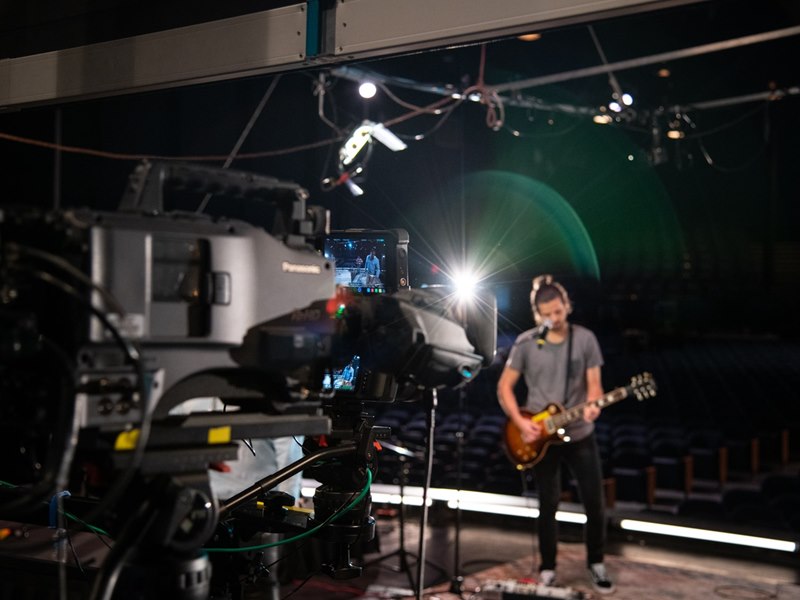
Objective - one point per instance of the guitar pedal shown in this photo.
(511, 589)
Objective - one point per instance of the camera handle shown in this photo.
(148, 181)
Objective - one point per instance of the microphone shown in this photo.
(541, 337)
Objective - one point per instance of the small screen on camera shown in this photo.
(361, 263)
(344, 379)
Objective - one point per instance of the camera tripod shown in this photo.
(403, 555)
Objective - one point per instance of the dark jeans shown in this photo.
(583, 459)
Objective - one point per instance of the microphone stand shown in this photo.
(423, 523)
(457, 581)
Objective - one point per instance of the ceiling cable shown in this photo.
(649, 60)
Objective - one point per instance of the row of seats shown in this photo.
(631, 475)
(724, 414)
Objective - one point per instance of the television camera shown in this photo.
(112, 322)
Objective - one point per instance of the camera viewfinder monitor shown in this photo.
(369, 262)
(343, 379)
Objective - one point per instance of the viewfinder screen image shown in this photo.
(360, 263)
(343, 379)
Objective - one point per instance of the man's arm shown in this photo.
(529, 430)
(594, 391)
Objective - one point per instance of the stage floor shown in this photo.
(492, 549)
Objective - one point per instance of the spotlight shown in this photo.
(602, 119)
(677, 130)
(615, 106)
(367, 90)
(362, 135)
(627, 99)
(355, 143)
(465, 283)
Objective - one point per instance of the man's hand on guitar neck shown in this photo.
(529, 430)
(591, 411)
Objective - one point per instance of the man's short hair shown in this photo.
(545, 289)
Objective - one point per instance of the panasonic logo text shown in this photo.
(302, 269)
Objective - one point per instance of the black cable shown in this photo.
(133, 356)
(68, 267)
(64, 441)
(421, 136)
(74, 553)
(137, 527)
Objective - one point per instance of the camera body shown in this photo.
(110, 320)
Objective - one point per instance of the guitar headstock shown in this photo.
(643, 386)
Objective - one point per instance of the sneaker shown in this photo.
(600, 579)
(547, 577)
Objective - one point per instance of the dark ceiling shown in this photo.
(719, 205)
(751, 64)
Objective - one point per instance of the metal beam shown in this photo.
(252, 44)
(278, 40)
(365, 28)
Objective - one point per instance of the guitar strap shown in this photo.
(569, 362)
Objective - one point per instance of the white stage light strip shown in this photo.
(708, 535)
(529, 512)
(380, 498)
(495, 509)
(516, 506)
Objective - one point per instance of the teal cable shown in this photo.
(305, 534)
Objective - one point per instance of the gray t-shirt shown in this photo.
(545, 371)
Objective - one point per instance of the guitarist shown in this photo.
(561, 364)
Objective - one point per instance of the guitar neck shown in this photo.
(576, 412)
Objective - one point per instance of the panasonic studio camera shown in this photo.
(112, 324)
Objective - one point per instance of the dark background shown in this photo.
(702, 242)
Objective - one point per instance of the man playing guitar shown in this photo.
(561, 364)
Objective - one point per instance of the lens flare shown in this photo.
(465, 283)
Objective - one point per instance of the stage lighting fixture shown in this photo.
(367, 90)
(363, 135)
(387, 138)
(677, 126)
(360, 137)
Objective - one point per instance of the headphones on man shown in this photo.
(545, 284)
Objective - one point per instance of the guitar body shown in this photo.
(555, 418)
(525, 455)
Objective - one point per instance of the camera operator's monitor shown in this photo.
(369, 262)
(344, 379)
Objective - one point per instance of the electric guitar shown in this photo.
(555, 418)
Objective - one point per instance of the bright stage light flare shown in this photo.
(465, 283)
